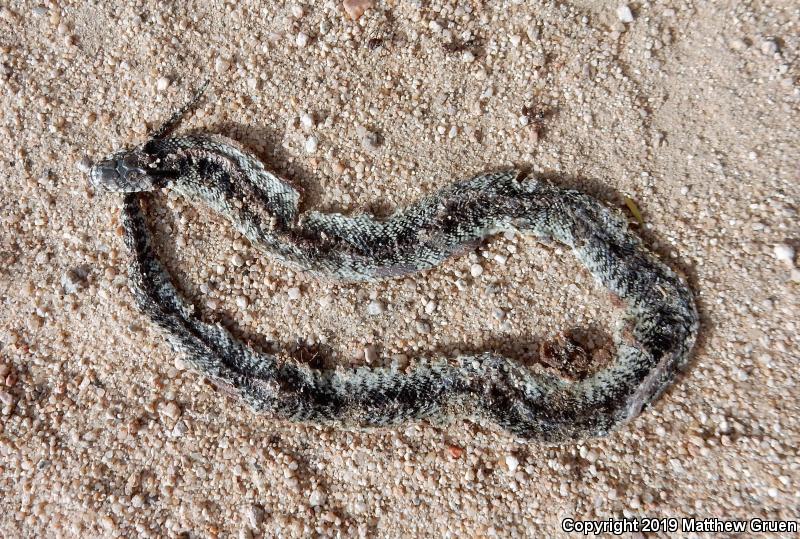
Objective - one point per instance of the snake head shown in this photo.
(129, 171)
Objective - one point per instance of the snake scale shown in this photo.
(652, 339)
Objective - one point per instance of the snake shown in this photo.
(655, 325)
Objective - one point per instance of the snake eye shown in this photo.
(150, 147)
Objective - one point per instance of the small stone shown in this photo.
(162, 84)
(461, 284)
(515, 40)
(476, 270)
(242, 302)
(455, 451)
(500, 259)
(293, 293)
(370, 141)
(316, 498)
(769, 47)
(221, 65)
(467, 57)
(523, 120)
(422, 327)
(453, 132)
(375, 308)
(311, 144)
(356, 8)
(301, 39)
(72, 281)
(6, 398)
(237, 260)
(624, 13)
(785, 253)
(297, 12)
(254, 515)
(306, 120)
(84, 165)
(171, 410)
(370, 355)
(430, 307)
(180, 429)
(512, 463)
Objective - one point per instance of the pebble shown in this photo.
(523, 120)
(316, 498)
(370, 354)
(301, 39)
(242, 302)
(306, 120)
(237, 260)
(293, 293)
(356, 8)
(370, 141)
(515, 40)
(375, 308)
(254, 515)
(430, 307)
(172, 410)
(162, 84)
(180, 429)
(453, 132)
(512, 463)
(624, 13)
(84, 165)
(784, 253)
(769, 47)
(221, 65)
(6, 398)
(422, 326)
(476, 270)
(311, 144)
(72, 281)
(461, 284)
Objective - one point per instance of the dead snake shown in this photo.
(653, 337)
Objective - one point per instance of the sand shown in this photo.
(689, 109)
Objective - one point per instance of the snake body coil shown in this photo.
(652, 340)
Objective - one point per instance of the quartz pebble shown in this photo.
(375, 308)
(784, 253)
(242, 302)
(316, 498)
(512, 463)
(237, 260)
(301, 40)
(171, 410)
(311, 144)
(624, 13)
(162, 84)
(476, 270)
(293, 293)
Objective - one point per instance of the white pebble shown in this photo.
(311, 144)
(297, 12)
(511, 463)
(624, 13)
(453, 132)
(785, 253)
(306, 120)
(430, 307)
(375, 308)
(316, 498)
(293, 293)
(461, 284)
(221, 64)
(769, 47)
(500, 259)
(301, 39)
(162, 84)
(467, 57)
(515, 40)
(237, 260)
(84, 165)
(242, 302)
(255, 516)
(523, 120)
(172, 410)
(476, 270)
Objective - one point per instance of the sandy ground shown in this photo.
(690, 109)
